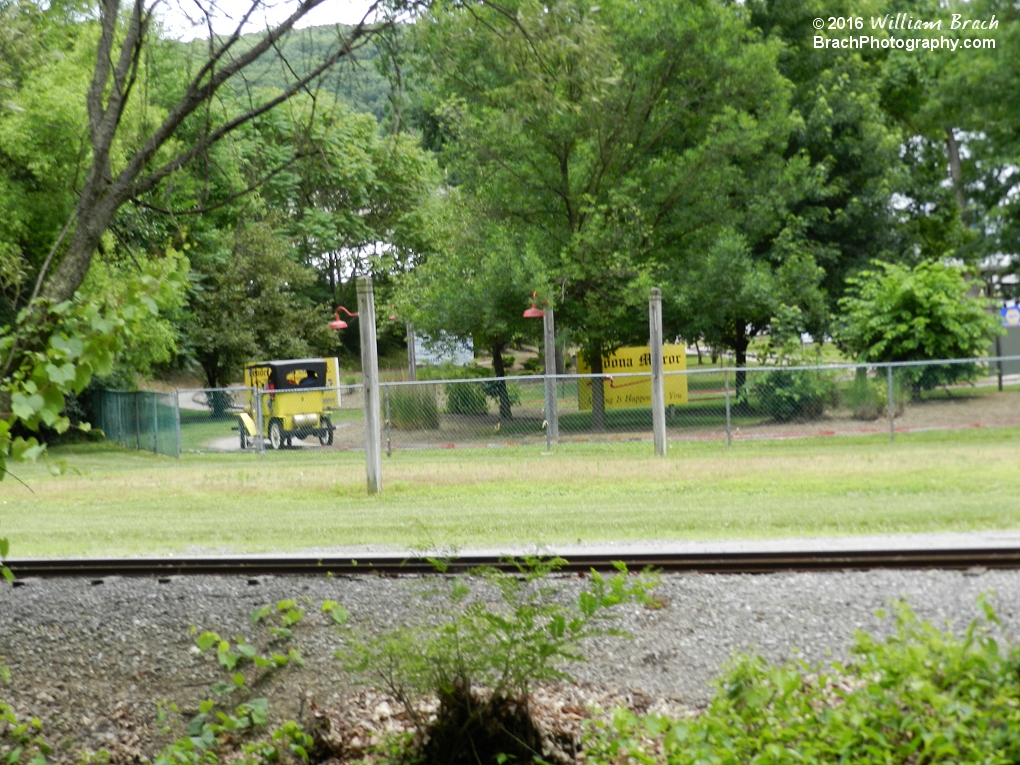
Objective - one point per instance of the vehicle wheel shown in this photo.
(275, 434)
(326, 432)
(290, 442)
(244, 438)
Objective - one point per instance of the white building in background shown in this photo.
(445, 349)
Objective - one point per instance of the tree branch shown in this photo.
(149, 181)
(231, 197)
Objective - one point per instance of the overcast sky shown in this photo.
(179, 16)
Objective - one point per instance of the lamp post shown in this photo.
(658, 390)
(370, 377)
(552, 420)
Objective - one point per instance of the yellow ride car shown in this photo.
(295, 395)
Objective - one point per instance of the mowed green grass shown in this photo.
(115, 502)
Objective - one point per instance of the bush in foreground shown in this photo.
(922, 696)
(482, 646)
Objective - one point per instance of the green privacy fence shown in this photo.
(141, 420)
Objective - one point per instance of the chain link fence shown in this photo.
(142, 420)
(844, 399)
(701, 403)
(714, 403)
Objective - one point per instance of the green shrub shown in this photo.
(895, 312)
(21, 741)
(501, 632)
(508, 361)
(496, 389)
(788, 395)
(533, 365)
(920, 696)
(868, 399)
(448, 371)
(466, 398)
(413, 407)
(472, 398)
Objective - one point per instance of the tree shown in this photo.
(980, 94)
(607, 137)
(477, 287)
(108, 183)
(359, 201)
(248, 303)
(127, 153)
(731, 295)
(897, 313)
(846, 132)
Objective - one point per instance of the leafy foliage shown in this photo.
(21, 742)
(6, 573)
(413, 407)
(467, 643)
(868, 398)
(59, 350)
(616, 145)
(466, 398)
(247, 666)
(897, 313)
(920, 696)
(793, 394)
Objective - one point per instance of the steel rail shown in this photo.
(702, 562)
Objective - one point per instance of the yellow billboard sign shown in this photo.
(624, 392)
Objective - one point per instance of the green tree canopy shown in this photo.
(613, 139)
(477, 286)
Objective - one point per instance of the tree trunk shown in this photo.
(210, 366)
(955, 169)
(332, 276)
(598, 393)
(95, 212)
(740, 357)
(501, 392)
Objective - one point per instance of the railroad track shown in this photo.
(704, 563)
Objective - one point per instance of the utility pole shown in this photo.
(370, 375)
(658, 388)
(552, 416)
(412, 357)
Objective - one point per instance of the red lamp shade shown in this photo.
(534, 312)
(337, 322)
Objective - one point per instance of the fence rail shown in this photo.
(713, 403)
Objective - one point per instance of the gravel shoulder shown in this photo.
(94, 661)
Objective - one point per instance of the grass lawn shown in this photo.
(115, 502)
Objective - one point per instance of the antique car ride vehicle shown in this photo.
(295, 395)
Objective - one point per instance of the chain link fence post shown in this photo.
(260, 424)
(389, 443)
(177, 422)
(726, 390)
(552, 416)
(998, 354)
(892, 404)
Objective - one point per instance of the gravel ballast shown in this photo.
(95, 659)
